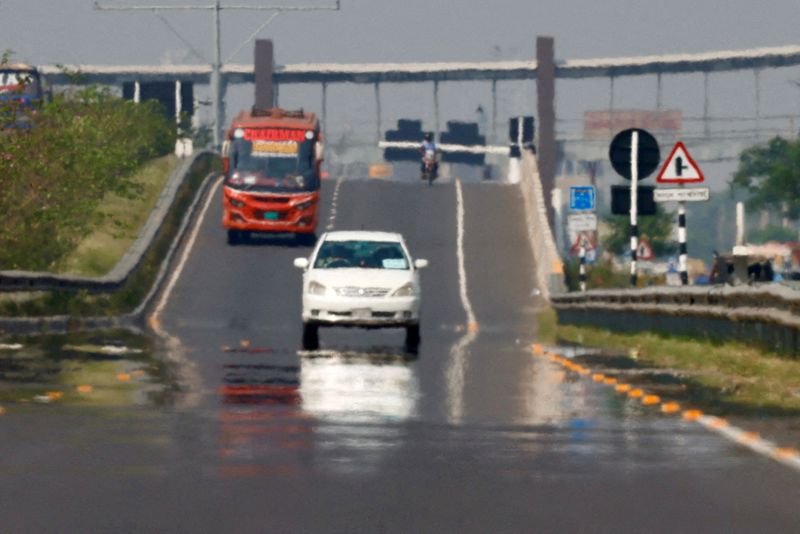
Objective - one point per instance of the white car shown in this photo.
(360, 279)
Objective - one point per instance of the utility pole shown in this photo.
(216, 66)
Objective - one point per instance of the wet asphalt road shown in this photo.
(471, 435)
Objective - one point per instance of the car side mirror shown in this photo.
(420, 264)
(301, 263)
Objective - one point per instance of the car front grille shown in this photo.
(351, 291)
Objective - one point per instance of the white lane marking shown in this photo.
(750, 440)
(457, 366)
(187, 249)
(462, 272)
(334, 200)
(193, 391)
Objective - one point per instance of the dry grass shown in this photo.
(100, 251)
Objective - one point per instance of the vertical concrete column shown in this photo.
(436, 109)
(324, 107)
(546, 94)
(178, 102)
(493, 140)
(378, 111)
(264, 67)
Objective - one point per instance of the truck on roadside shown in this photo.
(21, 93)
(271, 160)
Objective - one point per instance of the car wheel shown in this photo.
(234, 237)
(310, 336)
(412, 338)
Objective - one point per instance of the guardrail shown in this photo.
(767, 314)
(127, 265)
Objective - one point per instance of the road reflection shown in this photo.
(338, 411)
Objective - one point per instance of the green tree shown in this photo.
(656, 229)
(771, 175)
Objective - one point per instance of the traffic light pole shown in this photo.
(634, 202)
(216, 66)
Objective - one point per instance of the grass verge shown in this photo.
(100, 251)
(84, 304)
(725, 377)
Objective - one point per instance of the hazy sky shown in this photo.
(67, 31)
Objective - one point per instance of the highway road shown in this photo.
(472, 434)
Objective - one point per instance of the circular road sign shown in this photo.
(620, 153)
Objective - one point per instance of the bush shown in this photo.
(54, 174)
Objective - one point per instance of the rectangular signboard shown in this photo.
(683, 194)
(582, 222)
(621, 200)
(581, 198)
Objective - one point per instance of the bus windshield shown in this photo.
(272, 165)
(20, 82)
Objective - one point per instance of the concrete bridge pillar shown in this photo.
(546, 93)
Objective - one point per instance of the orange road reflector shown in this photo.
(670, 407)
(649, 400)
(123, 377)
(718, 422)
(244, 343)
(84, 389)
(473, 327)
(622, 388)
(55, 395)
(692, 415)
(749, 437)
(636, 393)
(597, 377)
(786, 453)
(610, 381)
(2, 410)
(537, 349)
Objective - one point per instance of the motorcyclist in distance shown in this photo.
(429, 149)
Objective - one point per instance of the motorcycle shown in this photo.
(430, 167)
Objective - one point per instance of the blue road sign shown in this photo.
(581, 198)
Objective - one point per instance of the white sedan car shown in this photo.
(360, 279)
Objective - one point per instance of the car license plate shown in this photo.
(362, 313)
(271, 215)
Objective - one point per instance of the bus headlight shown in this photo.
(304, 205)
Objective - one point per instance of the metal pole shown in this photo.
(436, 109)
(706, 129)
(682, 252)
(757, 74)
(216, 79)
(634, 202)
(740, 223)
(582, 255)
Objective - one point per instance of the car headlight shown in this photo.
(235, 203)
(315, 288)
(406, 290)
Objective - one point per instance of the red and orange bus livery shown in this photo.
(271, 159)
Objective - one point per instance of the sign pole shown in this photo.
(682, 257)
(582, 254)
(634, 202)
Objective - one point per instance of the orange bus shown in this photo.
(271, 159)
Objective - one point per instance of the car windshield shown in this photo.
(361, 254)
(272, 165)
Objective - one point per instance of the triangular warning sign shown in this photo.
(587, 238)
(680, 168)
(644, 251)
